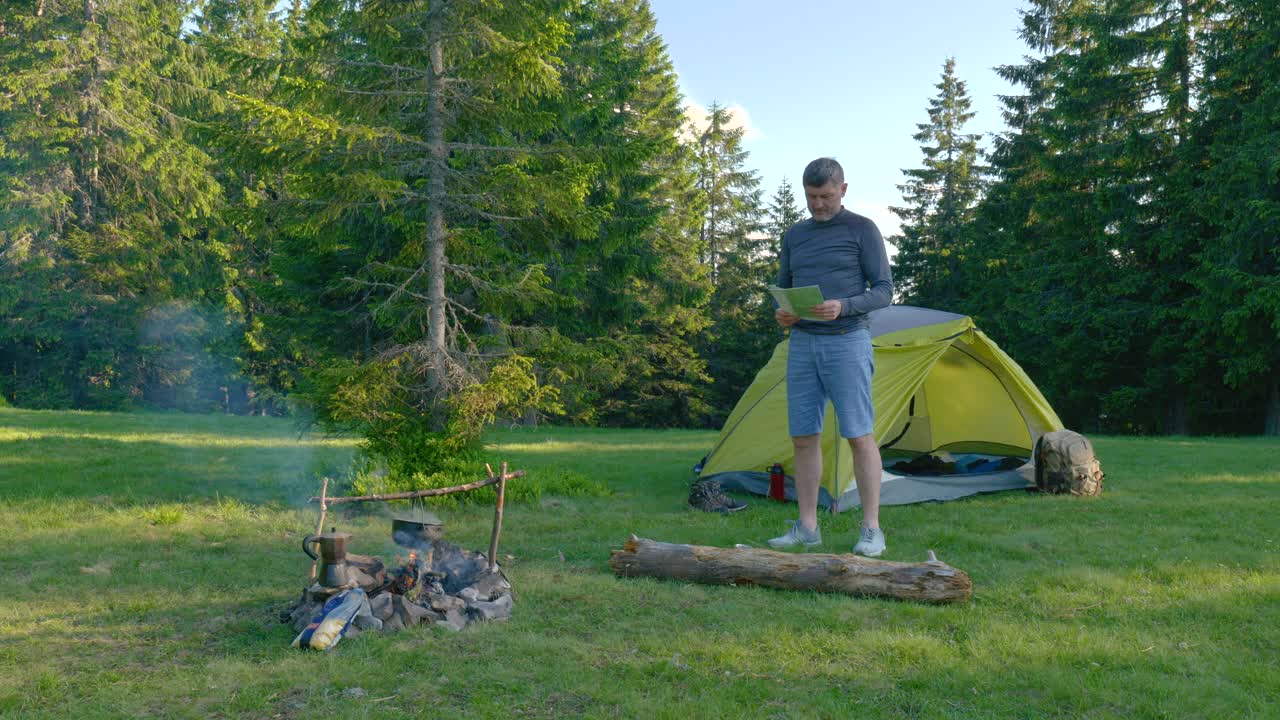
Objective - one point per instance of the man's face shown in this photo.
(824, 202)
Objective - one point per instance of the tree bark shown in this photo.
(436, 331)
(1182, 96)
(90, 89)
(931, 581)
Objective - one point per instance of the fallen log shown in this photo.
(930, 581)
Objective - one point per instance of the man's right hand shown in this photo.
(784, 318)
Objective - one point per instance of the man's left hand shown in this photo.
(828, 310)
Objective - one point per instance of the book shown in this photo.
(798, 301)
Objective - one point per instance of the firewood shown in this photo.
(931, 581)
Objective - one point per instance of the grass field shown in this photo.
(145, 558)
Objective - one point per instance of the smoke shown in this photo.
(187, 356)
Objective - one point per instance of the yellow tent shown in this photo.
(940, 386)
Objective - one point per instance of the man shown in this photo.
(831, 358)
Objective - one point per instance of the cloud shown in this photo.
(696, 114)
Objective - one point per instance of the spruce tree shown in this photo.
(1235, 314)
(939, 201)
(631, 290)
(1086, 225)
(114, 287)
(414, 161)
(784, 211)
(729, 191)
(243, 44)
(736, 254)
(1152, 51)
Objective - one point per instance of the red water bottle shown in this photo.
(777, 483)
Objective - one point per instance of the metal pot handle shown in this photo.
(306, 542)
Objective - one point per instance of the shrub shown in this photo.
(417, 434)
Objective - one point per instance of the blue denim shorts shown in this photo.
(830, 367)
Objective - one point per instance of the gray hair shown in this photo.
(822, 171)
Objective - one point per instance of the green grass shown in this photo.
(146, 556)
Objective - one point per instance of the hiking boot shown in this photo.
(796, 536)
(707, 497)
(870, 542)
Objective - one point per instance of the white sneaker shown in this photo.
(870, 543)
(797, 535)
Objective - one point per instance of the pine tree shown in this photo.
(939, 201)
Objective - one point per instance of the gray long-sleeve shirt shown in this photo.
(846, 258)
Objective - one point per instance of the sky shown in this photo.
(849, 79)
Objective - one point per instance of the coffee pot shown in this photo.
(333, 556)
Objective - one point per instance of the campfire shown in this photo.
(437, 582)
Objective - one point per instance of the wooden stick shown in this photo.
(324, 490)
(497, 519)
(422, 493)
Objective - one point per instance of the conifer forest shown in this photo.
(412, 218)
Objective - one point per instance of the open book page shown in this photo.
(798, 301)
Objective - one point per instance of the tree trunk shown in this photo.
(1182, 96)
(436, 330)
(87, 170)
(929, 581)
(1272, 427)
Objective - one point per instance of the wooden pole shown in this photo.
(324, 506)
(424, 493)
(497, 518)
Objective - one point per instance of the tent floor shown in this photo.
(894, 489)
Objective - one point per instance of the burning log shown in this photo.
(403, 581)
(931, 581)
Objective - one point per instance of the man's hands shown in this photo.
(828, 310)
